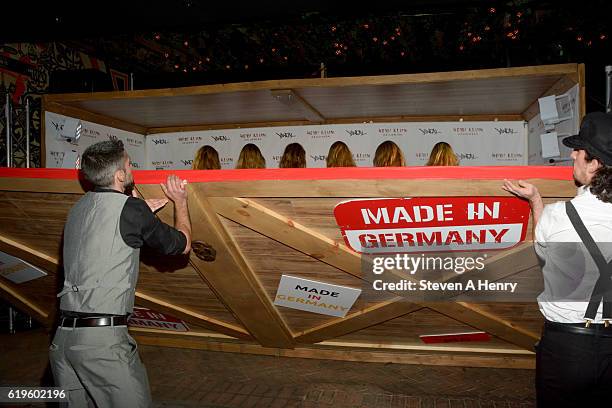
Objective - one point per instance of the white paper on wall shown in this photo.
(62, 154)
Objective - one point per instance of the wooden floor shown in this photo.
(196, 378)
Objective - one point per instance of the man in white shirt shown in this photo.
(574, 242)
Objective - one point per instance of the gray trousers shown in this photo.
(99, 367)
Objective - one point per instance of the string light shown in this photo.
(157, 37)
(603, 37)
(492, 10)
(375, 39)
(186, 43)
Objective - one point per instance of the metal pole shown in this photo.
(27, 118)
(7, 111)
(608, 88)
(11, 322)
(131, 81)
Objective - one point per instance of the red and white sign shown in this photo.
(455, 337)
(397, 225)
(150, 319)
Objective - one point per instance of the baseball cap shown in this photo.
(595, 136)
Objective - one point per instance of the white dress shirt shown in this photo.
(569, 270)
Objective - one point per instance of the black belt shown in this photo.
(594, 329)
(102, 321)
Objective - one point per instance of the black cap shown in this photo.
(595, 136)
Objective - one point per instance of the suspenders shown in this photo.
(602, 292)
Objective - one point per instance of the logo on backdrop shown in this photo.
(468, 131)
(421, 155)
(226, 161)
(467, 156)
(321, 134)
(285, 135)
(318, 157)
(162, 164)
(361, 157)
(134, 142)
(398, 225)
(92, 133)
(392, 132)
(134, 164)
(187, 162)
(190, 140)
(252, 136)
(220, 138)
(506, 156)
(356, 132)
(429, 131)
(158, 142)
(506, 131)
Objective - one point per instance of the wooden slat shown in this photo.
(41, 186)
(541, 70)
(12, 294)
(474, 316)
(161, 305)
(229, 275)
(561, 86)
(371, 316)
(36, 258)
(426, 355)
(88, 116)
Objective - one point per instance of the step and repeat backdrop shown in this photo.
(475, 143)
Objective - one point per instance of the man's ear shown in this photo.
(593, 166)
(120, 175)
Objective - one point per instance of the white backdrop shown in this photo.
(476, 143)
(61, 154)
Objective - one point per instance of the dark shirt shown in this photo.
(140, 227)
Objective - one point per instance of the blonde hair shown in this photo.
(206, 158)
(293, 157)
(251, 158)
(388, 154)
(442, 154)
(340, 156)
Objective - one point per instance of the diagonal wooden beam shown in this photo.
(373, 315)
(190, 316)
(12, 294)
(229, 274)
(33, 256)
(282, 229)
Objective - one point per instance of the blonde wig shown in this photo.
(206, 158)
(251, 158)
(340, 156)
(388, 154)
(442, 154)
(293, 157)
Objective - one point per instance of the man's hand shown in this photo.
(174, 189)
(153, 203)
(528, 191)
(521, 189)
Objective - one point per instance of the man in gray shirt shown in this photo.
(92, 355)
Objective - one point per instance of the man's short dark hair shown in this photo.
(100, 161)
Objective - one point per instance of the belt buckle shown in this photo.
(588, 322)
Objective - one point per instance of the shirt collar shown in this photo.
(105, 190)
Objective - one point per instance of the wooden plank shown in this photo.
(229, 275)
(582, 90)
(36, 258)
(12, 294)
(190, 316)
(357, 188)
(474, 316)
(88, 116)
(273, 225)
(541, 70)
(371, 316)
(38, 185)
(426, 355)
(561, 86)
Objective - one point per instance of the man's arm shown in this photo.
(529, 192)
(174, 189)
